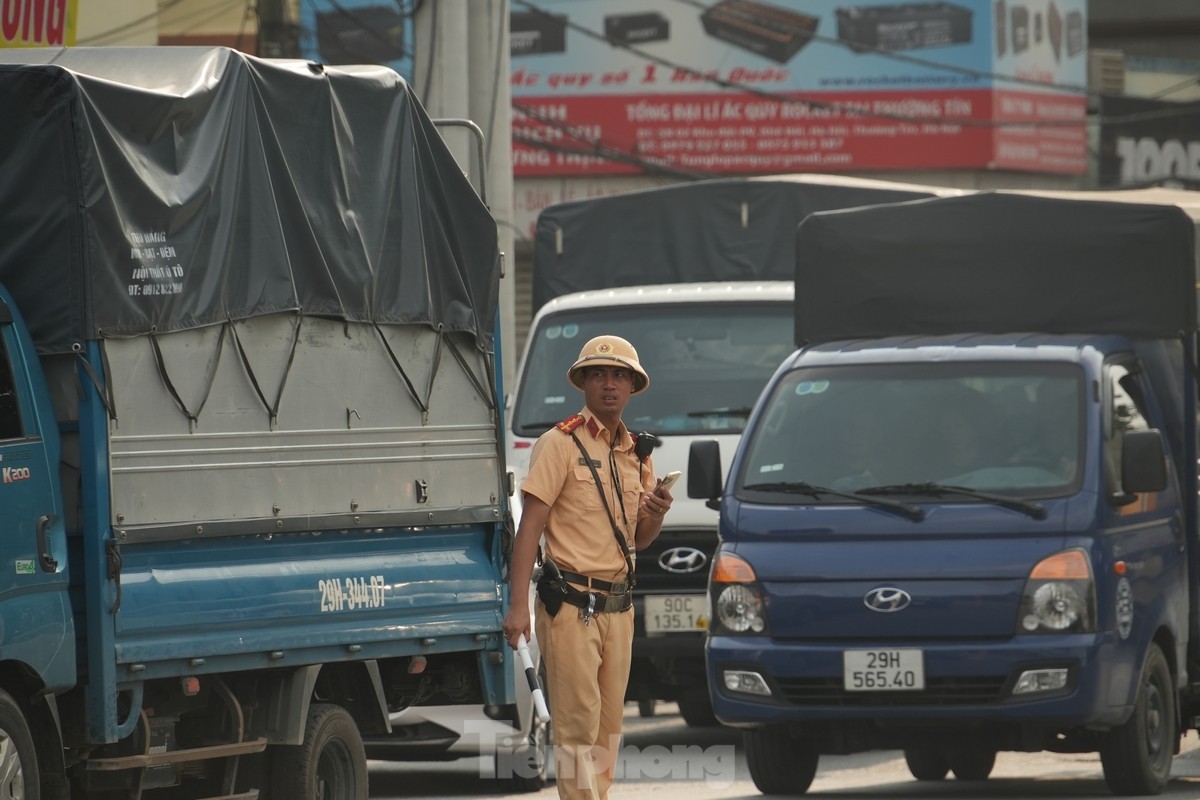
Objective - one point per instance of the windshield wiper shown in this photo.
(740, 411)
(800, 487)
(1035, 510)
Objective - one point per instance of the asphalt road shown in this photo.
(663, 759)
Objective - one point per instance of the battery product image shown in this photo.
(773, 32)
(531, 33)
(903, 27)
(634, 28)
(1020, 28)
(372, 34)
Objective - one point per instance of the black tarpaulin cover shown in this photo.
(165, 188)
(689, 232)
(996, 263)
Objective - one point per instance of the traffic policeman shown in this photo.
(596, 501)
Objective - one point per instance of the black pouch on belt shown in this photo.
(551, 587)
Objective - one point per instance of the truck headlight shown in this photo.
(1060, 596)
(737, 598)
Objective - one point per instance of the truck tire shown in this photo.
(528, 769)
(330, 764)
(18, 760)
(926, 763)
(695, 706)
(779, 763)
(1137, 756)
(971, 763)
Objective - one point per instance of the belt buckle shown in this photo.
(615, 602)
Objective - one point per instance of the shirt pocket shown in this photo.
(583, 489)
(630, 496)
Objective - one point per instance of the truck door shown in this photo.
(33, 559)
(1146, 536)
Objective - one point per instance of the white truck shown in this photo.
(699, 278)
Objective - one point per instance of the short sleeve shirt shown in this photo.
(579, 536)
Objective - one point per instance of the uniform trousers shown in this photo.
(587, 670)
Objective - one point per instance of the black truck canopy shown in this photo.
(166, 188)
(1001, 262)
(726, 229)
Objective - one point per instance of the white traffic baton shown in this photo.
(539, 700)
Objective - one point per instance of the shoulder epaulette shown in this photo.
(570, 423)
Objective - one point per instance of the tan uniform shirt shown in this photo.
(579, 536)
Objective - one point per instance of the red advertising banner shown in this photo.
(795, 85)
(732, 133)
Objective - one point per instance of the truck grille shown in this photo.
(691, 547)
(938, 692)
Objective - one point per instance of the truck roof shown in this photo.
(725, 229)
(1063, 262)
(705, 292)
(166, 188)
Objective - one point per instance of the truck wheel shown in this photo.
(1137, 756)
(971, 763)
(695, 706)
(18, 760)
(779, 764)
(527, 770)
(331, 763)
(926, 764)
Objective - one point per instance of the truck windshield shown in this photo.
(915, 429)
(707, 362)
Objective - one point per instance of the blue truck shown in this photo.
(963, 515)
(253, 499)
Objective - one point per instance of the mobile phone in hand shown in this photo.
(669, 481)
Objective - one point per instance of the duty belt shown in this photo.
(593, 603)
(613, 587)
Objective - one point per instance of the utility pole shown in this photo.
(461, 71)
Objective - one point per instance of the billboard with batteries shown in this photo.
(744, 87)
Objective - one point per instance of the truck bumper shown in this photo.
(966, 683)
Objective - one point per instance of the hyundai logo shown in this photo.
(682, 559)
(887, 599)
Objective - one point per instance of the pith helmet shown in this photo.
(611, 351)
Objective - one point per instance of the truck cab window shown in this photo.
(10, 412)
(1124, 402)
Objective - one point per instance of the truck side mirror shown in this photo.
(704, 472)
(1143, 462)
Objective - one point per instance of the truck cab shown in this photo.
(962, 517)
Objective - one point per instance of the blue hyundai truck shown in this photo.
(963, 515)
(253, 498)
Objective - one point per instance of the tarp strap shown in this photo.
(437, 362)
(489, 397)
(271, 408)
(193, 418)
(103, 390)
(412, 390)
